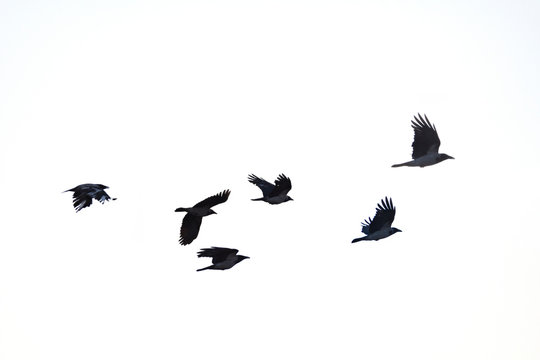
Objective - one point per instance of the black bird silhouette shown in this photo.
(192, 221)
(222, 258)
(83, 195)
(272, 194)
(381, 225)
(425, 145)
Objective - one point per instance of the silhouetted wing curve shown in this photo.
(262, 184)
(190, 228)
(283, 186)
(214, 199)
(383, 217)
(426, 139)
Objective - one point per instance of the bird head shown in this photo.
(442, 157)
(394, 230)
(242, 257)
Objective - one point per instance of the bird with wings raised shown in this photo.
(381, 225)
(272, 193)
(193, 219)
(222, 258)
(83, 195)
(425, 145)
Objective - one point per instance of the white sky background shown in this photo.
(170, 102)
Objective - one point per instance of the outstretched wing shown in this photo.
(214, 200)
(383, 217)
(262, 184)
(426, 140)
(218, 254)
(283, 186)
(190, 228)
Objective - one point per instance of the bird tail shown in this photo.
(206, 268)
(402, 164)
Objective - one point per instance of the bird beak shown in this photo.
(451, 157)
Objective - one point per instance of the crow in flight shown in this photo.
(272, 194)
(381, 225)
(222, 258)
(83, 195)
(192, 221)
(425, 145)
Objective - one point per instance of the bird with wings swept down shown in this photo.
(425, 145)
(381, 225)
(193, 219)
(84, 193)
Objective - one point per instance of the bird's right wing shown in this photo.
(190, 228)
(262, 184)
(283, 186)
(426, 139)
(383, 217)
(218, 254)
(214, 199)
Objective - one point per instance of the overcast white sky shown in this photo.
(168, 102)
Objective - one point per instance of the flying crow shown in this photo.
(380, 226)
(425, 145)
(222, 258)
(83, 194)
(273, 194)
(192, 221)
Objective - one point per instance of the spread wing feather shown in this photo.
(190, 228)
(262, 184)
(283, 186)
(383, 217)
(214, 199)
(426, 139)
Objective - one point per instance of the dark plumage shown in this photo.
(222, 258)
(425, 145)
(272, 194)
(192, 221)
(381, 225)
(83, 195)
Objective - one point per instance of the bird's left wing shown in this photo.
(214, 200)
(262, 184)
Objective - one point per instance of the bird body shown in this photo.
(425, 145)
(84, 193)
(381, 225)
(273, 193)
(222, 258)
(193, 219)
